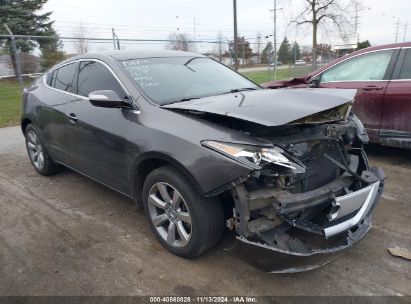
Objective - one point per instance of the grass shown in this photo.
(10, 95)
(283, 73)
(10, 102)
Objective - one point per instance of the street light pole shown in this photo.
(235, 35)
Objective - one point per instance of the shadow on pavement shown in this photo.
(394, 156)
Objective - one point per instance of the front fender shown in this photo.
(209, 171)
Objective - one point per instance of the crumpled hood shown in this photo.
(269, 107)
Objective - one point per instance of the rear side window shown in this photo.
(367, 67)
(62, 78)
(406, 66)
(93, 76)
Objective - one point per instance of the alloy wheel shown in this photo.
(169, 214)
(35, 150)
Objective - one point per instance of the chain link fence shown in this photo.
(18, 69)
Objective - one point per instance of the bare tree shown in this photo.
(81, 44)
(330, 13)
(178, 42)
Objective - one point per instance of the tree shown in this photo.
(178, 42)
(333, 14)
(267, 53)
(324, 47)
(51, 51)
(295, 52)
(244, 50)
(23, 18)
(284, 51)
(363, 45)
(81, 44)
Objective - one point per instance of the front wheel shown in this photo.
(185, 222)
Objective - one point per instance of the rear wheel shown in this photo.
(39, 157)
(185, 222)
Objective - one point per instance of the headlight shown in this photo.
(254, 155)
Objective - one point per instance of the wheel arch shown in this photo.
(24, 123)
(149, 162)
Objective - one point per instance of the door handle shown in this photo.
(72, 117)
(372, 87)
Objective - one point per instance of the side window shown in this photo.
(406, 66)
(371, 66)
(93, 76)
(62, 78)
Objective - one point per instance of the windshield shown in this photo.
(174, 79)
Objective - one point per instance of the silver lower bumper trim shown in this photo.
(369, 193)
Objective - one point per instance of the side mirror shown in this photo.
(314, 83)
(108, 99)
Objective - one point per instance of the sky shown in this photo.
(157, 19)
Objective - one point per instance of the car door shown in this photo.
(396, 114)
(98, 147)
(52, 118)
(369, 73)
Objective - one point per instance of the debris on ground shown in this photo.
(400, 252)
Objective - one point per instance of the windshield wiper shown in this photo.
(181, 100)
(238, 90)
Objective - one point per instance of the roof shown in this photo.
(132, 54)
(108, 56)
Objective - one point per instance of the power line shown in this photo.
(96, 39)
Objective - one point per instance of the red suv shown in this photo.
(382, 76)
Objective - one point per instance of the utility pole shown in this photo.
(243, 42)
(405, 31)
(275, 38)
(195, 35)
(356, 23)
(235, 35)
(16, 60)
(397, 28)
(116, 41)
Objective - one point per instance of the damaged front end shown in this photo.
(308, 197)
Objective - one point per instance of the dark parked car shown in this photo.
(382, 76)
(203, 148)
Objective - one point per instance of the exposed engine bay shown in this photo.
(310, 191)
(313, 202)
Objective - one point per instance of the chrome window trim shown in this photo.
(80, 96)
(369, 52)
(356, 81)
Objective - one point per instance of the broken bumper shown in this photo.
(278, 260)
(297, 245)
(364, 198)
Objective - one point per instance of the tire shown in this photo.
(205, 214)
(39, 157)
